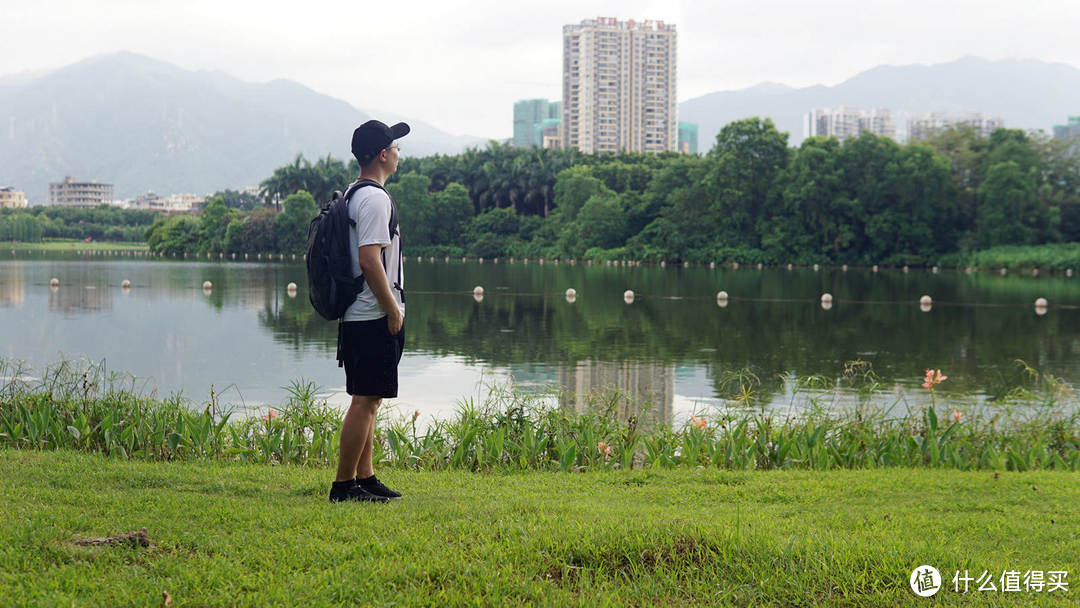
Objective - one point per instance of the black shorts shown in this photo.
(370, 356)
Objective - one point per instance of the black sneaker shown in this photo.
(376, 487)
(353, 492)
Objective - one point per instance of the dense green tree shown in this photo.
(213, 222)
(1010, 212)
(415, 207)
(291, 225)
(452, 211)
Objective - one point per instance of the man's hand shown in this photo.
(394, 320)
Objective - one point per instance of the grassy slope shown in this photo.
(231, 534)
(75, 245)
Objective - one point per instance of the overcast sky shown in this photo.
(461, 65)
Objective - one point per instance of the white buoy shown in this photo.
(571, 293)
(686, 264)
(1068, 272)
(967, 270)
(478, 291)
(431, 259)
(826, 297)
(628, 296)
(54, 282)
(1004, 271)
(735, 265)
(663, 263)
(874, 268)
(480, 260)
(905, 268)
(446, 260)
(926, 300)
(790, 266)
(126, 284)
(495, 261)
(479, 297)
(844, 268)
(207, 285)
(1034, 272)
(712, 264)
(760, 265)
(1041, 303)
(826, 306)
(934, 270)
(722, 295)
(463, 258)
(816, 268)
(291, 287)
(722, 302)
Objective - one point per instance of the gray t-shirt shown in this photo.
(370, 208)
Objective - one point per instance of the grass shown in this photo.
(57, 245)
(233, 534)
(76, 405)
(1053, 257)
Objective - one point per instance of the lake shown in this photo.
(674, 346)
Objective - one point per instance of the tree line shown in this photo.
(103, 223)
(751, 198)
(867, 200)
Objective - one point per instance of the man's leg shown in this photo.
(365, 468)
(356, 434)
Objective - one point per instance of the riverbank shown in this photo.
(230, 534)
(1058, 257)
(71, 245)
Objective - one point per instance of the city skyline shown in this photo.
(480, 66)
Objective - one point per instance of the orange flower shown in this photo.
(270, 416)
(700, 423)
(933, 378)
(956, 416)
(415, 415)
(603, 448)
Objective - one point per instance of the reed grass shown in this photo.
(80, 405)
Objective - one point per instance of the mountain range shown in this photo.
(143, 124)
(1026, 94)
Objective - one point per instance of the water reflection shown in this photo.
(637, 389)
(252, 331)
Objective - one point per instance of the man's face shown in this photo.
(393, 155)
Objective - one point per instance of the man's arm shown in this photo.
(375, 275)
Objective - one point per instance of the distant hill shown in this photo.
(143, 124)
(1027, 94)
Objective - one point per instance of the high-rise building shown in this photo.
(71, 193)
(532, 117)
(687, 138)
(924, 127)
(10, 198)
(619, 86)
(844, 122)
(1069, 130)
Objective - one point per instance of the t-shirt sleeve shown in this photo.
(373, 219)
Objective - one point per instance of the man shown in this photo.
(371, 335)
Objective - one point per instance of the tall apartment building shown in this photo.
(532, 117)
(924, 127)
(619, 86)
(1069, 130)
(844, 122)
(71, 193)
(10, 198)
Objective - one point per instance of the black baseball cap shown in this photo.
(373, 136)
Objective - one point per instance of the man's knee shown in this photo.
(366, 404)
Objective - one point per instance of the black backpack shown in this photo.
(332, 288)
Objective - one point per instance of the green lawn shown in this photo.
(75, 245)
(229, 534)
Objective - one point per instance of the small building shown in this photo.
(1069, 130)
(688, 138)
(70, 193)
(10, 198)
(843, 122)
(924, 127)
(532, 117)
